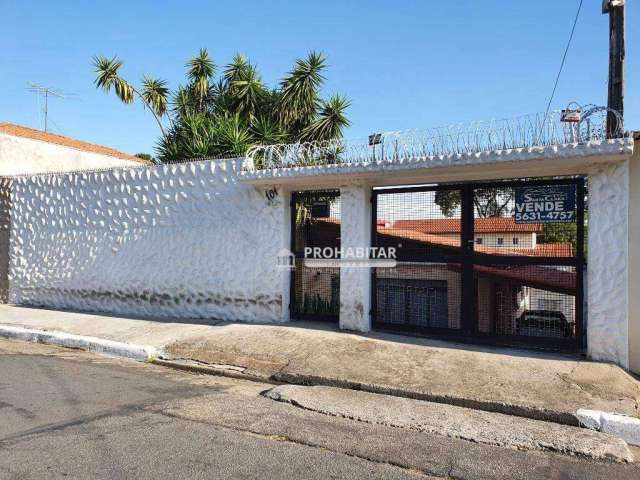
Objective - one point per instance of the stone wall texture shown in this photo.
(185, 241)
(607, 292)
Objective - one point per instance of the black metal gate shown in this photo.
(315, 235)
(499, 261)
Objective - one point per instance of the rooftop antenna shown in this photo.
(46, 92)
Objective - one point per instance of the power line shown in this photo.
(564, 57)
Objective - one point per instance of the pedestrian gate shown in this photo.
(501, 261)
(315, 227)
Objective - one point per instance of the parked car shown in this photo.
(544, 323)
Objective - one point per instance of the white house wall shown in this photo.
(182, 241)
(607, 320)
(19, 156)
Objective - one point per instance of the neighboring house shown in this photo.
(25, 150)
(490, 232)
(504, 293)
(429, 294)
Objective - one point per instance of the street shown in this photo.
(71, 414)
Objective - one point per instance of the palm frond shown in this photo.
(106, 70)
(237, 69)
(124, 90)
(248, 93)
(155, 93)
(300, 87)
(200, 70)
(330, 121)
(267, 131)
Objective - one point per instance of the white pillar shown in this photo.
(355, 282)
(634, 259)
(285, 243)
(608, 264)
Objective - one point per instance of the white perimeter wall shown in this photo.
(608, 264)
(182, 241)
(191, 241)
(20, 156)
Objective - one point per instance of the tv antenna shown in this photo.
(46, 92)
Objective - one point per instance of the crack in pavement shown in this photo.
(287, 439)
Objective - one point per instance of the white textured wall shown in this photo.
(355, 282)
(20, 156)
(5, 224)
(180, 241)
(607, 329)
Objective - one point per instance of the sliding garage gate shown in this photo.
(503, 262)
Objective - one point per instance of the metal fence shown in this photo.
(315, 224)
(472, 265)
(531, 130)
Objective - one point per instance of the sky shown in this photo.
(403, 64)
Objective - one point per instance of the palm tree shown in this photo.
(107, 77)
(209, 117)
(299, 91)
(200, 70)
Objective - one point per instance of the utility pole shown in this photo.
(615, 97)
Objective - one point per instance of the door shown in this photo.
(315, 235)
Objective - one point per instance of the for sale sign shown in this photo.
(546, 204)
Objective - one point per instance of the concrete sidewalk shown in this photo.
(531, 384)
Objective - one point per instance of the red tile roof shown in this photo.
(535, 276)
(435, 240)
(541, 250)
(549, 278)
(25, 132)
(481, 225)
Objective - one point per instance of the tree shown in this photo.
(211, 116)
(487, 202)
(145, 156)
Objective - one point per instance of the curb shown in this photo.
(563, 418)
(216, 370)
(141, 353)
(622, 426)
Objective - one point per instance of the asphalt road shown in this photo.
(69, 414)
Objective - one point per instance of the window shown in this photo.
(553, 304)
(515, 241)
(500, 241)
(478, 241)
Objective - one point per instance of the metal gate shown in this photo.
(501, 261)
(315, 235)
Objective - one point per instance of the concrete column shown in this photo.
(608, 264)
(634, 258)
(355, 282)
(285, 241)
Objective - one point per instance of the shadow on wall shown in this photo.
(171, 241)
(5, 231)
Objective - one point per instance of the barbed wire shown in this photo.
(504, 134)
(531, 130)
